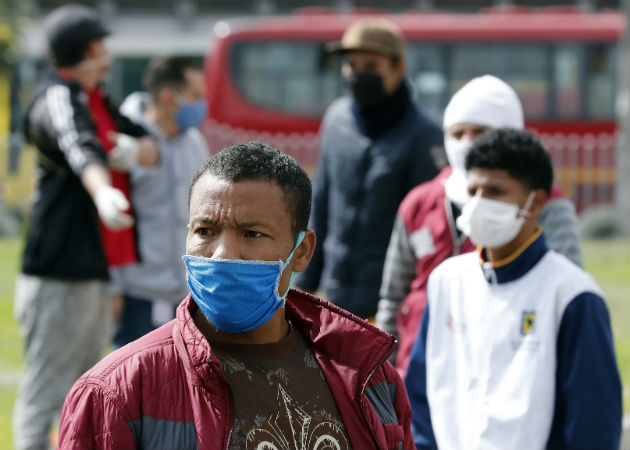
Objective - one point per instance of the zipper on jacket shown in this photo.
(231, 401)
(363, 396)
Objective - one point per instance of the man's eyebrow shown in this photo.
(253, 224)
(205, 220)
(208, 220)
(496, 186)
(490, 185)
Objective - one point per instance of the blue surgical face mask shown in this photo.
(191, 115)
(237, 295)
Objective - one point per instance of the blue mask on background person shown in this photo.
(237, 295)
(191, 115)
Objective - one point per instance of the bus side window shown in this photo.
(524, 66)
(567, 64)
(427, 71)
(330, 84)
(601, 76)
(285, 76)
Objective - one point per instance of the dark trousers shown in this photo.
(135, 320)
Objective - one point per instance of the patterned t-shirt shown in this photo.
(281, 399)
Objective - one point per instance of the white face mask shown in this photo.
(456, 151)
(492, 223)
(456, 186)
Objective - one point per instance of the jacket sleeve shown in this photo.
(116, 284)
(71, 127)
(124, 124)
(310, 278)
(560, 224)
(399, 271)
(588, 388)
(391, 402)
(416, 382)
(92, 419)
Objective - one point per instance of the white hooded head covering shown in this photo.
(487, 101)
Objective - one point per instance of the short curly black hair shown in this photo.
(516, 151)
(258, 161)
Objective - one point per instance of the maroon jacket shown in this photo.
(167, 390)
(426, 207)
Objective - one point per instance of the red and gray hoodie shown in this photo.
(167, 390)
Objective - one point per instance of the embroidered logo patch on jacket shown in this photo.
(527, 322)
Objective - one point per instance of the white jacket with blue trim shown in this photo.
(516, 354)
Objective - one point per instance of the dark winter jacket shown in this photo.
(359, 184)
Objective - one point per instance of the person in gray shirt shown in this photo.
(172, 110)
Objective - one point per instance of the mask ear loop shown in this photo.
(477, 196)
(524, 211)
(299, 240)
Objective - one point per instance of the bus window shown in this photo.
(425, 67)
(522, 66)
(567, 64)
(601, 80)
(286, 76)
(127, 74)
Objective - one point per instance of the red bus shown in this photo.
(270, 79)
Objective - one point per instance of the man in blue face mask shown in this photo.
(248, 362)
(172, 109)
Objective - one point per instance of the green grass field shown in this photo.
(608, 261)
(10, 342)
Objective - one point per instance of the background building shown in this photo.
(144, 28)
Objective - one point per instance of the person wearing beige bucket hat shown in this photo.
(376, 145)
(375, 60)
(371, 34)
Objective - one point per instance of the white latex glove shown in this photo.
(111, 205)
(125, 154)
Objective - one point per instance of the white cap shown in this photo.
(487, 101)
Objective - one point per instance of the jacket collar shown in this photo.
(337, 333)
(518, 263)
(334, 332)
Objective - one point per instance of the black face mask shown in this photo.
(367, 89)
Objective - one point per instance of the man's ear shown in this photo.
(166, 96)
(400, 66)
(303, 254)
(90, 50)
(539, 202)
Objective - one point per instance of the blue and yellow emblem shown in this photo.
(527, 322)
